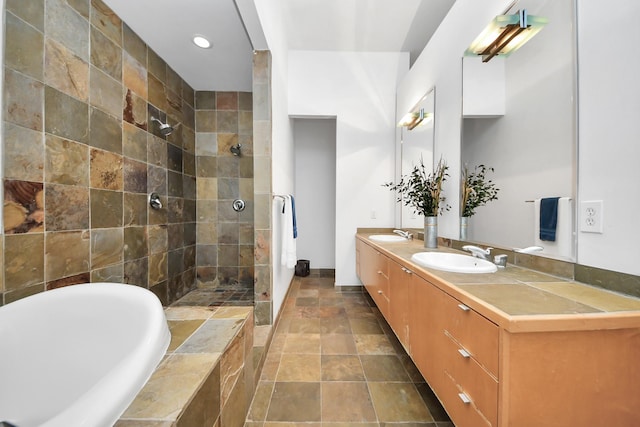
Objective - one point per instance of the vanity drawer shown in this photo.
(380, 289)
(480, 386)
(460, 407)
(478, 335)
(380, 295)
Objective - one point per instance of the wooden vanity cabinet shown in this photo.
(567, 370)
(453, 347)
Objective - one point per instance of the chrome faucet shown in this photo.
(404, 234)
(500, 260)
(478, 252)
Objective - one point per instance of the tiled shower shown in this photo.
(224, 236)
(81, 155)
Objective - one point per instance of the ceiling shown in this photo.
(168, 26)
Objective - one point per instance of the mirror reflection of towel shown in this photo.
(548, 218)
(293, 213)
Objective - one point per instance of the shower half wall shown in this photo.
(225, 238)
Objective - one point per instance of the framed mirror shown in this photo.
(417, 142)
(525, 129)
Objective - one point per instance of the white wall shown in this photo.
(440, 65)
(609, 129)
(359, 90)
(315, 190)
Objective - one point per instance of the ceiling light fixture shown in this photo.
(201, 41)
(506, 34)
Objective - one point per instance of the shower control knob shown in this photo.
(238, 205)
(154, 201)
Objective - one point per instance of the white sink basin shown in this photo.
(456, 263)
(387, 238)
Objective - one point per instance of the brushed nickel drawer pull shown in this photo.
(380, 292)
(463, 307)
(464, 353)
(465, 399)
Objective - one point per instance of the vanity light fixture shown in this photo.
(201, 41)
(505, 34)
(414, 119)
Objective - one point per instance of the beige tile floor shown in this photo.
(334, 362)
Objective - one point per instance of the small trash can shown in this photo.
(302, 268)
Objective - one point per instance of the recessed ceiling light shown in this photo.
(201, 41)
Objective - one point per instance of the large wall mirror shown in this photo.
(531, 143)
(417, 145)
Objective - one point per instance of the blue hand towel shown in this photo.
(293, 214)
(548, 218)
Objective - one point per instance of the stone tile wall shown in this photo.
(263, 192)
(81, 155)
(225, 237)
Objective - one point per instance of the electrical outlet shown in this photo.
(374, 214)
(591, 216)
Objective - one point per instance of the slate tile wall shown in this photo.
(81, 155)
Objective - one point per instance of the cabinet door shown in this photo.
(423, 318)
(366, 262)
(399, 281)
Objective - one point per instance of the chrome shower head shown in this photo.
(235, 149)
(165, 128)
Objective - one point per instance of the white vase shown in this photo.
(431, 232)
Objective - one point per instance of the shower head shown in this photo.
(165, 128)
(235, 149)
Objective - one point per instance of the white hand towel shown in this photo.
(288, 257)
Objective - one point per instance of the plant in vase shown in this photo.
(476, 191)
(423, 192)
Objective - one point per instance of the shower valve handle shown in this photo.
(238, 205)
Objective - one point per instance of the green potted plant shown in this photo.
(423, 192)
(476, 191)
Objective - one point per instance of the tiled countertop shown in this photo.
(513, 293)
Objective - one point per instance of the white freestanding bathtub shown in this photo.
(78, 355)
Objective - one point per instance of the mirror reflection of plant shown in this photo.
(477, 190)
(422, 190)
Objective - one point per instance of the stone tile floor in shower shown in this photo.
(234, 295)
(334, 362)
